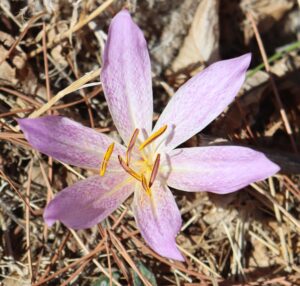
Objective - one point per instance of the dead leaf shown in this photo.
(202, 41)
(15, 280)
(266, 13)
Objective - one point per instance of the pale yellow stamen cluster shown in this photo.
(147, 165)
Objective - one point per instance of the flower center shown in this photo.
(139, 162)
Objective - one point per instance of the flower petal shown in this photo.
(201, 99)
(69, 141)
(158, 219)
(217, 169)
(88, 202)
(126, 76)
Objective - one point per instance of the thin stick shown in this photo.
(27, 218)
(48, 89)
(119, 219)
(108, 258)
(280, 229)
(82, 92)
(272, 81)
(21, 95)
(71, 88)
(235, 254)
(78, 271)
(22, 35)
(98, 248)
(17, 191)
(85, 250)
(178, 265)
(283, 210)
(124, 253)
(81, 23)
(121, 265)
(57, 107)
(46, 67)
(55, 256)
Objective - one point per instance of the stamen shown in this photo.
(154, 170)
(128, 169)
(152, 137)
(106, 158)
(131, 144)
(146, 186)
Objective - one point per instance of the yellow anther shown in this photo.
(146, 185)
(106, 158)
(131, 144)
(154, 170)
(152, 137)
(129, 170)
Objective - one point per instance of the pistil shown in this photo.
(146, 185)
(146, 162)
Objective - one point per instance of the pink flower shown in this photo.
(150, 163)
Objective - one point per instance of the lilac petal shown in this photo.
(158, 219)
(217, 169)
(90, 201)
(69, 141)
(202, 99)
(126, 76)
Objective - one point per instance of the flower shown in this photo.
(149, 163)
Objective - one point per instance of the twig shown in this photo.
(85, 250)
(124, 253)
(97, 249)
(234, 251)
(18, 193)
(272, 81)
(21, 95)
(27, 219)
(55, 256)
(50, 160)
(22, 35)
(271, 199)
(280, 229)
(108, 257)
(80, 269)
(71, 88)
(75, 28)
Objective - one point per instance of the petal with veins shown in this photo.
(201, 99)
(217, 169)
(158, 219)
(69, 141)
(126, 76)
(90, 201)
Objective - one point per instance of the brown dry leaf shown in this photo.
(286, 65)
(15, 280)
(266, 13)
(202, 41)
(8, 70)
(56, 52)
(218, 215)
(259, 257)
(175, 29)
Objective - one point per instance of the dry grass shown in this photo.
(49, 57)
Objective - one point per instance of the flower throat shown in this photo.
(141, 175)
